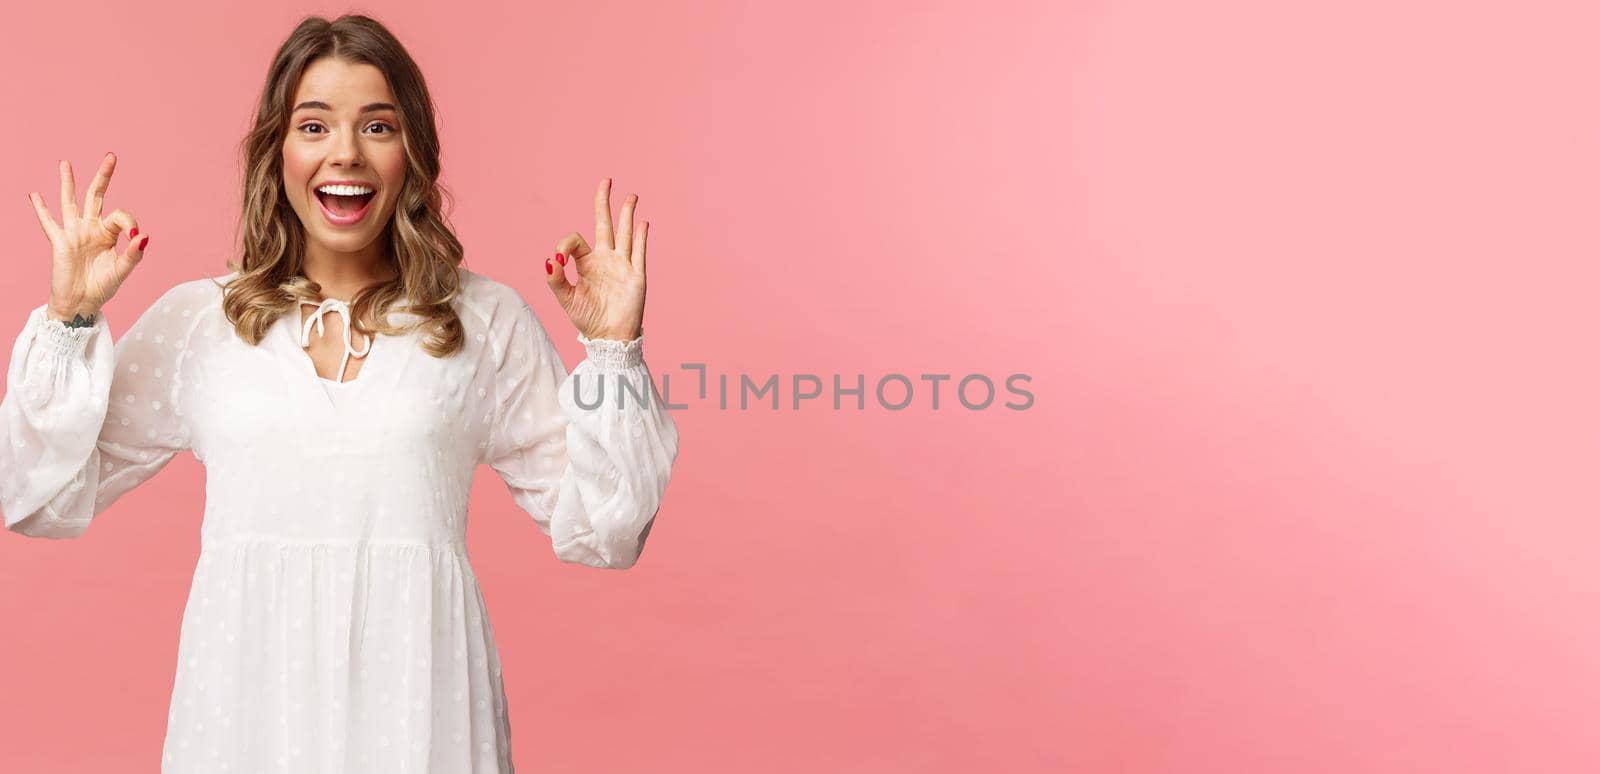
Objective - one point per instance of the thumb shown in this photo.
(131, 257)
(556, 278)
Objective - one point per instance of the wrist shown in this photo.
(66, 313)
(616, 335)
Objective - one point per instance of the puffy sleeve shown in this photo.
(85, 420)
(587, 454)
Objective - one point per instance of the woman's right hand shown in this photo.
(86, 268)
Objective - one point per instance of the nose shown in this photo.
(346, 151)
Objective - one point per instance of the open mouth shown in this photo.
(344, 205)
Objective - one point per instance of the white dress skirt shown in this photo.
(334, 623)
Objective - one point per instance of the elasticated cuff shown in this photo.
(61, 341)
(613, 355)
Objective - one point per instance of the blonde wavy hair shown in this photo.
(423, 247)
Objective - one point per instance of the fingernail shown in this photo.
(548, 269)
(143, 243)
(562, 259)
(134, 232)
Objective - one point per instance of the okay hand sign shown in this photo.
(86, 268)
(607, 302)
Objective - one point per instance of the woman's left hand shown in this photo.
(608, 300)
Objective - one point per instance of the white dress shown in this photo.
(334, 623)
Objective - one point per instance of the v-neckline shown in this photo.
(293, 326)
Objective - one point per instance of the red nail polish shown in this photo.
(561, 259)
(143, 243)
(134, 232)
(548, 269)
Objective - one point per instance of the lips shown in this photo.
(344, 210)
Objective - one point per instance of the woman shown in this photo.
(335, 623)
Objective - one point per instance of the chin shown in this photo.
(346, 243)
(343, 240)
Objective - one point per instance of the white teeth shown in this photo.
(345, 190)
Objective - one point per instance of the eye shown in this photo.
(389, 129)
(309, 125)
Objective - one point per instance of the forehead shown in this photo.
(344, 85)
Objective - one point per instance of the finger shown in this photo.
(602, 216)
(132, 256)
(625, 224)
(97, 187)
(119, 221)
(638, 246)
(556, 278)
(69, 196)
(574, 247)
(46, 222)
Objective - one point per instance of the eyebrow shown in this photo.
(316, 105)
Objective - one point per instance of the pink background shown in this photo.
(1305, 294)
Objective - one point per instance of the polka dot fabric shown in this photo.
(335, 623)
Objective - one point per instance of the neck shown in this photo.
(343, 275)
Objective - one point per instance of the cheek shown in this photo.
(297, 171)
(391, 167)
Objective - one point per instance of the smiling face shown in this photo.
(343, 159)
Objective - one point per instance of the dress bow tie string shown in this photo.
(343, 310)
